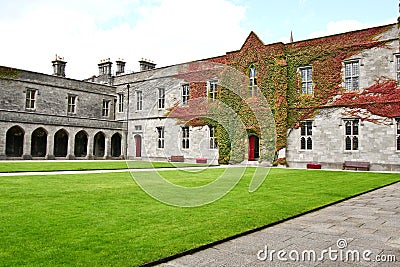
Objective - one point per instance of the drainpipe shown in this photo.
(127, 123)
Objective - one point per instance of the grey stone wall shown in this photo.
(377, 143)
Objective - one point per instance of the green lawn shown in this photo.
(107, 220)
(27, 166)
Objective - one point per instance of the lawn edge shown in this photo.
(251, 231)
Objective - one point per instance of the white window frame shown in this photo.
(212, 87)
(213, 140)
(139, 100)
(105, 112)
(352, 75)
(121, 99)
(351, 134)
(397, 57)
(71, 105)
(306, 80)
(185, 137)
(306, 141)
(160, 137)
(185, 93)
(30, 99)
(161, 98)
(252, 81)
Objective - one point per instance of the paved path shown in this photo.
(367, 222)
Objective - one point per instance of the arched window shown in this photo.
(253, 81)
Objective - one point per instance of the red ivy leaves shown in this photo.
(382, 99)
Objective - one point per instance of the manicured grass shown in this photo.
(27, 166)
(107, 220)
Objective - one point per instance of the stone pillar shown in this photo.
(107, 147)
(90, 147)
(26, 154)
(71, 146)
(50, 147)
(3, 145)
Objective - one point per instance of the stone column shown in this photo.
(71, 146)
(50, 146)
(90, 147)
(107, 147)
(26, 154)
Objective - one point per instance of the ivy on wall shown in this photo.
(278, 79)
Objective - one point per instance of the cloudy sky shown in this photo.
(165, 31)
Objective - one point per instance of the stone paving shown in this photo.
(369, 224)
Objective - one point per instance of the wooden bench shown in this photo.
(177, 159)
(356, 165)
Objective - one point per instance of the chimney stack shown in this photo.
(105, 67)
(146, 64)
(59, 66)
(120, 67)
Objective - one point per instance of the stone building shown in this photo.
(333, 99)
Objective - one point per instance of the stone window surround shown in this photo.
(139, 100)
(185, 93)
(308, 125)
(352, 135)
(213, 144)
(252, 81)
(212, 87)
(185, 137)
(160, 137)
(30, 98)
(121, 99)
(352, 76)
(161, 98)
(309, 89)
(71, 103)
(106, 108)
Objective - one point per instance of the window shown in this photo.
(185, 137)
(106, 108)
(120, 102)
(185, 94)
(306, 135)
(30, 99)
(160, 141)
(213, 140)
(398, 134)
(351, 76)
(161, 98)
(138, 127)
(253, 82)
(71, 108)
(139, 100)
(212, 90)
(306, 81)
(398, 67)
(351, 134)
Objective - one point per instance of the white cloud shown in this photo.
(167, 31)
(335, 27)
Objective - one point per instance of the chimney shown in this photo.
(59, 66)
(120, 67)
(105, 67)
(146, 64)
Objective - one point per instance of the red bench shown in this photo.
(313, 166)
(356, 165)
(201, 160)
